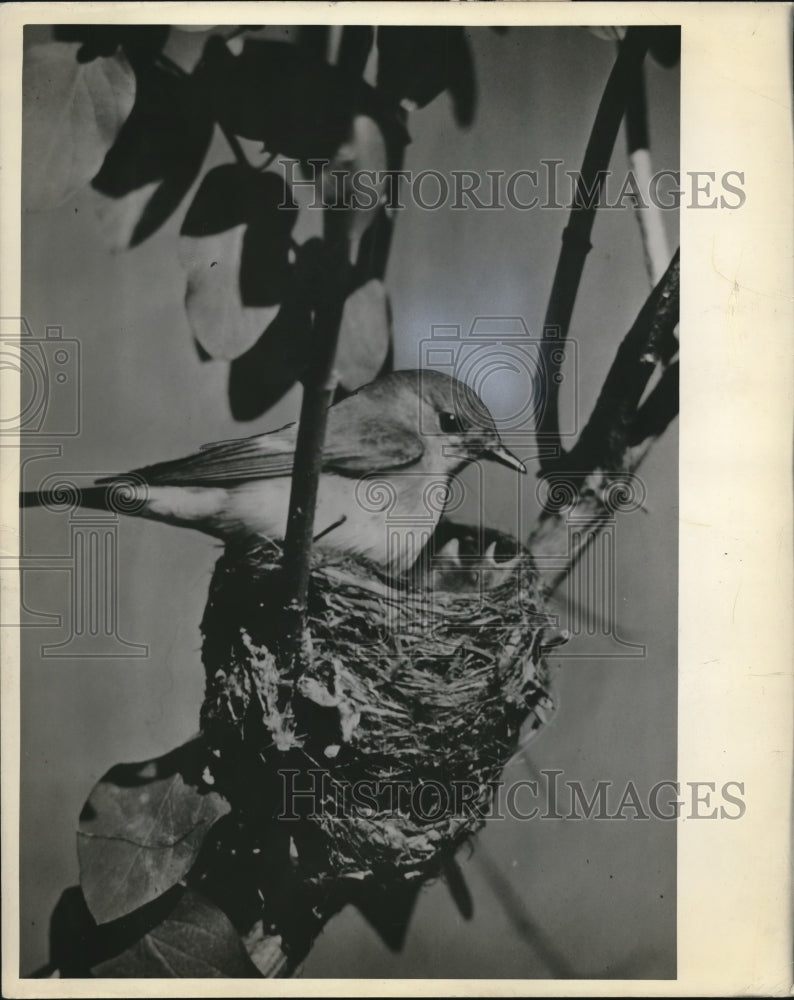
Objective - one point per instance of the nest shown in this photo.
(385, 751)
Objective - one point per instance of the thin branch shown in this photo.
(576, 236)
(318, 394)
(647, 212)
(604, 439)
(612, 442)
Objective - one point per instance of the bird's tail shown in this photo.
(118, 497)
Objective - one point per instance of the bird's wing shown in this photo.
(353, 448)
(374, 443)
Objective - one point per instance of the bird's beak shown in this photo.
(500, 454)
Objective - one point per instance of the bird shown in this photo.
(392, 451)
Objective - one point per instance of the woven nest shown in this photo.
(414, 701)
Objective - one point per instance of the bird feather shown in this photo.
(369, 444)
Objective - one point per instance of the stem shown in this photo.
(604, 439)
(318, 393)
(648, 214)
(616, 437)
(576, 236)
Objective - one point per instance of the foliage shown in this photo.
(108, 109)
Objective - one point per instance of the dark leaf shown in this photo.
(137, 40)
(313, 39)
(665, 45)
(142, 828)
(72, 114)
(235, 242)
(458, 889)
(373, 251)
(388, 909)
(202, 354)
(180, 934)
(77, 942)
(157, 155)
(286, 97)
(279, 94)
(417, 64)
(462, 81)
(195, 941)
(232, 195)
(355, 48)
(261, 376)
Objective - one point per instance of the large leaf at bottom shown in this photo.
(195, 941)
(142, 828)
(180, 934)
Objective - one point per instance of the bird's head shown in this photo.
(453, 413)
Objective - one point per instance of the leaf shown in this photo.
(665, 45)
(387, 909)
(137, 40)
(286, 97)
(261, 376)
(72, 114)
(195, 941)
(180, 934)
(155, 159)
(141, 830)
(364, 336)
(280, 94)
(355, 47)
(417, 64)
(235, 243)
(77, 942)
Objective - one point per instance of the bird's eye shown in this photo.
(450, 423)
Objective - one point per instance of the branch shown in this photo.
(605, 437)
(647, 212)
(318, 393)
(576, 236)
(593, 485)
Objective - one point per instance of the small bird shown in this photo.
(391, 451)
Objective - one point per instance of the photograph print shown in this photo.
(348, 365)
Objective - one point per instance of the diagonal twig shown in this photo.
(576, 236)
